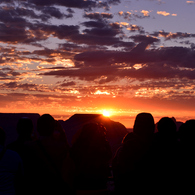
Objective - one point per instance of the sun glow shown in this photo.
(106, 113)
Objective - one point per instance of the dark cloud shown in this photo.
(50, 53)
(67, 3)
(53, 68)
(2, 74)
(94, 24)
(15, 85)
(11, 86)
(16, 29)
(6, 69)
(134, 28)
(88, 74)
(156, 64)
(67, 84)
(71, 47)
(10, 34)
(12, 16)
(70, 13)
(52, 11)
(8, 73)
(157, 72)
(81, 4)
(42, 32)
(136, 55)
(15, 16)
(94, 40)
(151, 71)
(128, 46)
(22, 31)
(96, 58)
(98, 16)
(106, 32)
(62, 31)
(76, 48)
(18, 16)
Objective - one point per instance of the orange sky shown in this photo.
(121, 109)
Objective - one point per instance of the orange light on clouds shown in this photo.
(145, 12)
(164, 13)
(124, 23)
(98, 92)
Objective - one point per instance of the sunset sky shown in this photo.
(85, 56)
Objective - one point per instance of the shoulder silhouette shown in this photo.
(91, 153)
(11, 169)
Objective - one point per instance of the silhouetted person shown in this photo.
(47, 157)
(187, 134)
(167, 129)
(91, 153)
(24, 130)
(166, 151)
(11, 169)
(132, 162)
(187, 160)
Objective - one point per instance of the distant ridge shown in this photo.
(115, 130)
(84, 117)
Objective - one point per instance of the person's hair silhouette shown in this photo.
(166, 126)
(45, 125)
(187, 132)
(144, 125)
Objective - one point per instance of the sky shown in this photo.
(88, 56)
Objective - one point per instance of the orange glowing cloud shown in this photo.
(164, 13)
(145, 12)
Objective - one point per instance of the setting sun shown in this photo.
(106, 113)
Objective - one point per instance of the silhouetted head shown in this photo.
(187, 131)
(25, 127)
(45, 125)
(166, 126)
(2, 137)
(144, 125)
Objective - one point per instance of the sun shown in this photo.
(106, 113)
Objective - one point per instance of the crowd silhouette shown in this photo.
(145, 162)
